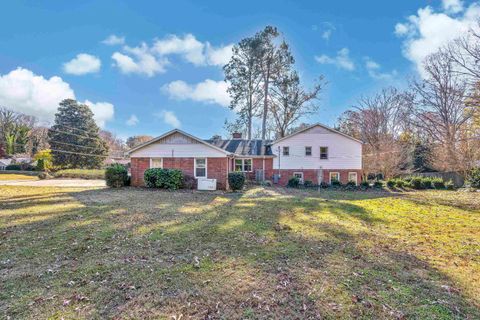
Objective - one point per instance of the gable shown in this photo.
(318, 129)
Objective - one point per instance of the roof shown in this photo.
(242, 147)
(317, 125)
(5, 161)
(172, 132)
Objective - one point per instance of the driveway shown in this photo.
(55, 183)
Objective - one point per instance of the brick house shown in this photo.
(317, 153)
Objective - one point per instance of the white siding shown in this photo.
(179, 146)
(343, 152)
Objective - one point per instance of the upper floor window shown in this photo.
(200, 167)
(308, 151)
(156, 163)
(244, 165)
(324, 153)
(286, 151)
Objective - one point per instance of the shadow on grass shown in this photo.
(146, 253)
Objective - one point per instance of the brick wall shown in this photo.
(312, 175)
(216, 169)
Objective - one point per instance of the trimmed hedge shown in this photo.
(16, 167)
(171, 179)
(236, 180)
(116, 176)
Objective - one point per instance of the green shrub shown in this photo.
(351, 184)
(116, 176)
(391, 183)
(189, 182)
(293, 182)
(336, 184)
(449, 185)
(416, 182)
(308, 183)
(236, 180)
(40, 165)
(170, 179)
(324, 185)
(473, 178)
(427, 183)
(378, 184)
(16, 167)
(438, 183)
(80, 173)
(364, 184)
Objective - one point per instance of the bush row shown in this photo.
(294, 182)
(419, 183)
(80, 174)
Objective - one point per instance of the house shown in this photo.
(317, 153)
(4, 163)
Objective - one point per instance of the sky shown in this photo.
(145, 67)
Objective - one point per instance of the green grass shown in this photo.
(15, 176)
(81, 173)
(267, 253)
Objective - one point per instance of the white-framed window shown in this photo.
(243, 165)
(286, 151)
(156, 163)
(352, 176)
(334, 176)
(200, 167)
(324, 153)
(308, 151)
(299, 175)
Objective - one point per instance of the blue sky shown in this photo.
(162, 67)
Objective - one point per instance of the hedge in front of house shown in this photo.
(15, 167)
(293, 182)
(171, 179)
(116, 176)
(236, 180)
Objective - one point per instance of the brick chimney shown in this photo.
(237, 135)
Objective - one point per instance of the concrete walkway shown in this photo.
(54, 183)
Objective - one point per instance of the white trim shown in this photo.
(195, 167)
(313, 126)
(243, 164)
(161, 167)
(330, 176)
(299, 173)
(356, 176)
(172, 132)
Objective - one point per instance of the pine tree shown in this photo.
(74, 138)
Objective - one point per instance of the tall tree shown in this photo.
(134, 141)
(14, 130)
(243, 74)
(290, 101)
(74, 138)
(116, 146)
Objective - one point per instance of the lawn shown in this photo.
(266, 253)
(16, 176)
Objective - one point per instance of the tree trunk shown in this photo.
(265, 103)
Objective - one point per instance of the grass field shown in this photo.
(15, 176)
(80, 174)
(267, 253)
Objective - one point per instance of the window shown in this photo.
(352, 176)
(308, 151)
(243, 165)
(156, 163)
(334, 176)
(200, 168)
(299, 175)
(286, 151)
(324, 153)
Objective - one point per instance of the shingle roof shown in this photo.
(242, 147)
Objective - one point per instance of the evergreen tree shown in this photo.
(74, 138)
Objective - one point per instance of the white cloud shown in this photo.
(132, 121)
(342, 60)
(169, 118)
(192, 50)
(452, 6)
(374, 70)
(427, 31)
(326, 34)
(208, 91)
(82, 64)
(139, 60)
(113, 40)
(23, 91)
(102, 112)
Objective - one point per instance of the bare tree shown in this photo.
(290, 101)
(137, 140)
(440, 110)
